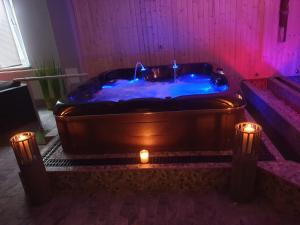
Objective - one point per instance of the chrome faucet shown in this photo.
(175, 67)
(136, 68)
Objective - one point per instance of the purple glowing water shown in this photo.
(190, 84)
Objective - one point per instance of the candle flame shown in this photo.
(144, 155)
(248, 128)
(21, 137)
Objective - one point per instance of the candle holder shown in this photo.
(24, 146)
(32, 170)
(244, 161)
(144, 156)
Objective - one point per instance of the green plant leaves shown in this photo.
(52, 89)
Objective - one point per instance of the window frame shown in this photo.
(14, 26)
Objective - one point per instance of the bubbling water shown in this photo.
(190, 84)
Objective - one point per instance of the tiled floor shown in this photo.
(126, 208)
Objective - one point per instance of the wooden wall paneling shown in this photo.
(132, 13)
(212, 27)
(189, 33)
(220, 18)
(132, 37)
(260, 29)
(216, 30)
(121, 39)
(162, 36)
(293, 34)
(203, 41)
(231, 38)
(122, 24)
(148, 32)
(103, 45)
(234, 36)
(258, 22)
(276, 46)
(228, 44)
(240, 31)
(271, 48)
(194, 31)
(208, 30)
(80, 29)
(224, 33)
(270, 27)
(184, 30)
(159, 35)
(140, 17)
(251, 42)
(177, 30)
(152, 31)
(238, 35)
(166, 14)
(186, 24)
(156, 34)
(106, 49)
(204, 29)
(246, 36)
(254, 23)
(238, 39)
(173, 24)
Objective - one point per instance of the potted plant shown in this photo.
(52, 89)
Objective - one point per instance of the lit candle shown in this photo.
(21, 144)
(248, 131)
(144, 156)
(248, 137)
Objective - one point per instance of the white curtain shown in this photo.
(9, 55)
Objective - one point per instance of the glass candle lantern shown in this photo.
(24, 146)
(248, 137)
(144, 156)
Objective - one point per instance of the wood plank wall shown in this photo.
(238, 35)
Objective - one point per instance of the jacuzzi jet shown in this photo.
(137, 65)
(175, 67)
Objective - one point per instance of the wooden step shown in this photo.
(280, 121)
(285, 90)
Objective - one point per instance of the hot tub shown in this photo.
(193, 109)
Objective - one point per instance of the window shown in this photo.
(12, 50)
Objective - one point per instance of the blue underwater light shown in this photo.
(107, 86)
(133, 81)
(187, 84)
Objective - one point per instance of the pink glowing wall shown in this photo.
(238, 35)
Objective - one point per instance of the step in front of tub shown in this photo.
(280, 121)
(142, 178)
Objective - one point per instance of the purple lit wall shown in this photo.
(239, 35)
